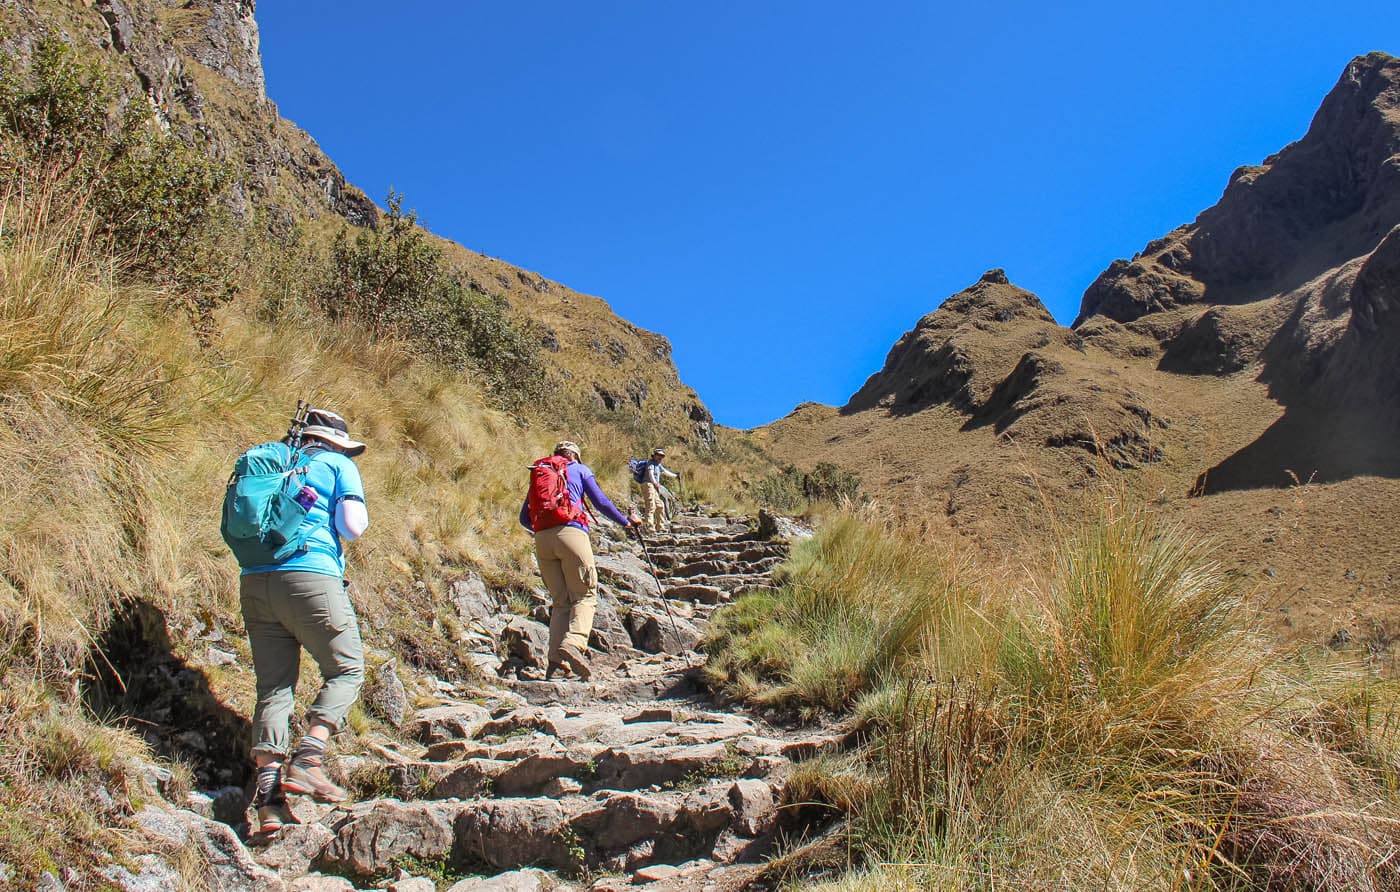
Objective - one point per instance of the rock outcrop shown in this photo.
(946, 357)
(1320, 202)
(994, 355)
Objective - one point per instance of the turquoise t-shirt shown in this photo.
(334, 477)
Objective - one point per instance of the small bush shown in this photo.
(790, 490)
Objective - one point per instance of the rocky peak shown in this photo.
(1321, 201)
(222, 37)
(942, 357)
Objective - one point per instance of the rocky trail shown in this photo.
(633, 779)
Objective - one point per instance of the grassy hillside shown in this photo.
(127, 391)
(1050, 411)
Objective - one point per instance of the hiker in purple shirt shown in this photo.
(565, 556)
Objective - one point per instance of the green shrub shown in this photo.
(157, 199)
(790, 490)
(397, 283)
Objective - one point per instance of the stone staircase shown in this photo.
(633, 779)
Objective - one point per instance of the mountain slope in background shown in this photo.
(197, 63)
(1241, 371)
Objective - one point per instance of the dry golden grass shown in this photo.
(1112, 719)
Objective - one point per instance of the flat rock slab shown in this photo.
(292, 850)
(457, 721)
(635, 767)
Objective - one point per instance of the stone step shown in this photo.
(721, 568)
(666, 561)
(606, 776)
(666, 540)
(753, 550)
(610, 831)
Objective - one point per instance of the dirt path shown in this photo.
(631, 779)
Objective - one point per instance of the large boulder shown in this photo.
(626, 570)
(609, 634)
(526, 641)
(656, 631)
(471, 777)
(626, 819)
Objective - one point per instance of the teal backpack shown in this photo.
(265, 502)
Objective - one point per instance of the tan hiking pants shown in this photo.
(566, 563)
(654, 510)
(285, 611)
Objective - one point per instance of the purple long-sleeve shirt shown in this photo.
(581, 482)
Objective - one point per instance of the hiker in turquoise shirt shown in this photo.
(302, 602)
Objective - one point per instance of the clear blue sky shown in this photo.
(782, 188)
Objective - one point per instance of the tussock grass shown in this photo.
(92, 390)
(1109, 721)
(856, 607)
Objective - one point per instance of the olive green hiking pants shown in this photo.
(284, 612)
(566, 564)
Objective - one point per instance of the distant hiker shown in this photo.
(654, 492)
(555, 512)
(301, 601)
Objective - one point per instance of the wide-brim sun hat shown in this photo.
(570, 446)
(660, 452)
(327, 425)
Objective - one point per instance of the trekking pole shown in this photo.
(660, 590)
(298, 424)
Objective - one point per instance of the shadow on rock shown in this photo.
(142, 685)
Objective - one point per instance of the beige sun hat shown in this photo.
(568, 446)
(327, 425)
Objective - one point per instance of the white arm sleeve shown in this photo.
(669, 473)
(351, 519)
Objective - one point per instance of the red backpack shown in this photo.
(549, 502)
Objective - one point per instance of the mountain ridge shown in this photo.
(1232, 359)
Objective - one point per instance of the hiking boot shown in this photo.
(274, 815)
(576, 661)
(309, 779)
(554, 669)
